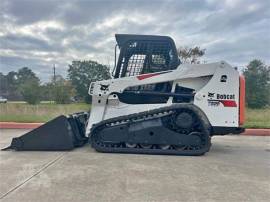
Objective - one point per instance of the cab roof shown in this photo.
(121, 39)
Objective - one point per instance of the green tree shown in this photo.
(13, 92)
(30, 91)
(25, 74)
(257, 77)
(13, 83)
(190, 55)
(12, 80)
(62, 90)
(28, 85)
(82, 73)
(3, 84)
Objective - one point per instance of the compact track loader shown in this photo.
(152, 105)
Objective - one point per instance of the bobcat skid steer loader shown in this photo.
(152, 105)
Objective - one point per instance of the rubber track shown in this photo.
(196, 110)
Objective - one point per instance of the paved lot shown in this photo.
(236, 169)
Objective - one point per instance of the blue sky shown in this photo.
(40, 33)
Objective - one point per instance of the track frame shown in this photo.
(96, 140)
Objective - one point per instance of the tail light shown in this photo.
(242, 95)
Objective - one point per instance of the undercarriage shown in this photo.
(160, 131)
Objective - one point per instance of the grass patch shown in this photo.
(22, 112)
(257, 118)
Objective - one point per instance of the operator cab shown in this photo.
(142, 54)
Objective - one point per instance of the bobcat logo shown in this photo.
(211, 95)
(104, 87)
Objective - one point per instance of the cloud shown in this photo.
(30, 11)
(39, 34)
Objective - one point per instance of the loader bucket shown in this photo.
(61, 133)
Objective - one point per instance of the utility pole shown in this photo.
(54, 82)
(54, 73)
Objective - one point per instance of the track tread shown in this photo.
(152, 114)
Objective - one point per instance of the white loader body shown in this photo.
(216, 88)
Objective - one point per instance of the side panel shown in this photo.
(219, 99)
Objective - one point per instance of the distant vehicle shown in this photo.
(74, 99)
(3, 100)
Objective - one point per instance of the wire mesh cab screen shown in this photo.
(142, 56)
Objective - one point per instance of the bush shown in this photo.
(63, 91)
(30, 91)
